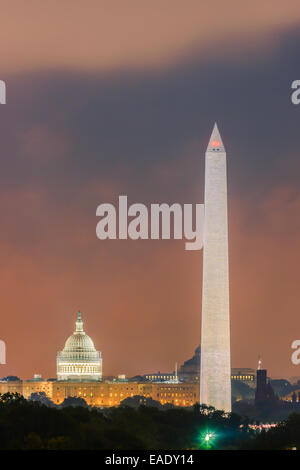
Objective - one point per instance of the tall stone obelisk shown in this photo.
(215, 380)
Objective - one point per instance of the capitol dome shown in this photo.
(79, 359)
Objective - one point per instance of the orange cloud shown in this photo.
(264, 265)
(141, 300)
(106, 35)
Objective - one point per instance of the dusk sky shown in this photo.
(120, 97)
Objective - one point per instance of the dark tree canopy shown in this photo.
(32, 425)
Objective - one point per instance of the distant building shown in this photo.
(10, 378)
(293, 396)
(190, 370)
(246, 375)
(160, 377)
(264, 391)
(79, 359)
(295, 380)
(122, 378)
(37, 378)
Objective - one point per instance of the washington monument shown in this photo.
(215, 385)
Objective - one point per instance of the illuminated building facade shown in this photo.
(106, 394)
(79, 374)
(79, 359)
(245, 375)
(160, 377)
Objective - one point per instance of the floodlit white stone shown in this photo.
(215, 384)
(79, 359)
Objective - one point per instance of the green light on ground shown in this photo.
(208, 439)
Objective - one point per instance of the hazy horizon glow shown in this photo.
(107, 103)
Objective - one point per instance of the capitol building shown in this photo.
(79, 374)
(79, 359)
